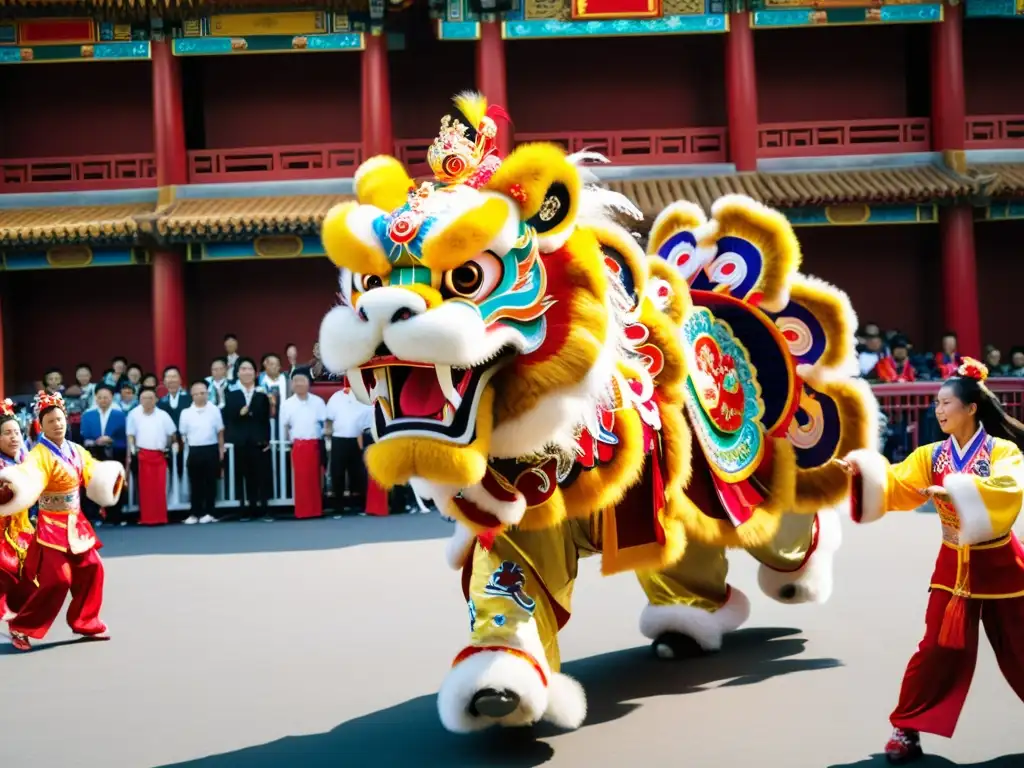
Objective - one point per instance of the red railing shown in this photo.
(995, 132)
(905, 405)
(671, 146)
(85, 174)
(844, 137)
(413, 154)
(284, 163)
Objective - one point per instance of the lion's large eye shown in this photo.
(364, 283)
(476, 279)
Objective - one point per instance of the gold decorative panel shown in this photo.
(560, 10)
(682, 7)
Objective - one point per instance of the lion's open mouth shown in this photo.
(422, 399)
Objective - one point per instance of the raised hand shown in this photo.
(848, 469)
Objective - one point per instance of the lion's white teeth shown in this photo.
(355, 380)
(444, 380)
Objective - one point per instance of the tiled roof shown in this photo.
(50, 226)
(999, 179)
(233, 218)
(796, 190)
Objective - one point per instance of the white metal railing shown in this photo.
(282, 478)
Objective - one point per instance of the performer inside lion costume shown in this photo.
(561, 393)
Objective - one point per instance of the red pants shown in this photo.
(13, 593)
(57, 573)
(376, 499)
(152, 487)
(937, 680)
(309, 500)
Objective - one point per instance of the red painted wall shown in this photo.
(267, 304)
(254, 101)
(105, 311)
(673, 81)
(1000, 277)
(418, 102)
(891, 274)
(60, 110)
(992, 65)
(838, 73)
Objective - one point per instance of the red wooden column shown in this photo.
(378, 137)
(956, 223)
(490, 75)
(2, 350)
(171, 170)
(741, 92)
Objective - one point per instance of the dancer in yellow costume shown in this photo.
(539, 377)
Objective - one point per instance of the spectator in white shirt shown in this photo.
(302, 423)
(149, 436)
(347, 418)
(202, 429)
(217, 381)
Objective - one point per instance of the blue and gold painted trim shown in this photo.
(264, 247)
(52, 54)
(224, 46)
(282, 32)
(540, 29)
(458, 30)
(857, 214)
(842, 17)
(995, 9)
(73, 256)
(1002, 210)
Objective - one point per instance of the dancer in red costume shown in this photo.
(63, 556)
(15, 530)
(976, 479)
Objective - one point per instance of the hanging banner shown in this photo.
(616, 9)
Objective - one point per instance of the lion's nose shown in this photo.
(388, 306)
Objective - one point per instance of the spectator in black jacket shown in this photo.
(174, 402)
(247, 428)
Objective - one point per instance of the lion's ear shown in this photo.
(545, 186)
(382, 182)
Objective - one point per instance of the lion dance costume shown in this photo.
(561, 393)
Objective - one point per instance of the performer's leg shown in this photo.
(8, 583)
(519, 595)
(690, 605)
(196, 482)
(336, 467)
(210, 475)
(796, 565)
(86, 594)
(937, 679)
(1004, 625)
(43, 604)
(241, 482)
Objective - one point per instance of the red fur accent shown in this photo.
(473, 650)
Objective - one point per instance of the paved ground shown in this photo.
(321, 643)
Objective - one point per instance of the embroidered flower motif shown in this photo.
(403, 227)
(517, 193)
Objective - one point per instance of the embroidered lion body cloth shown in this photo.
(556, 389)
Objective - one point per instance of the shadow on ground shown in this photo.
(235, 538)
(410, 733)
(931, 761)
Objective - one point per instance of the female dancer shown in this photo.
(16, 530)
(976, 479)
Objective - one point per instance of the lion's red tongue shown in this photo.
(421, 396)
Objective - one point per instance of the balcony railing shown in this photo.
(86, 174)
(672, 146)
(282, 163)
(844, 137)
(413, 154)
(995, 132)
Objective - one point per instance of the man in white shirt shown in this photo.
(149, 436)
(202, 428)
(302, 423)
(347, 418)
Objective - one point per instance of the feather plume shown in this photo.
(473, 106)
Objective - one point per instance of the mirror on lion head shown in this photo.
(474, 309)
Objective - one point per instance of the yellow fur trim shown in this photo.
(383, 182)
(528, 173)
(772, 234)
(679, 304)
(677, 217)
(521, 386)
(831, 307)
(454, 243)
(612, 236)
(394, 461)
(828, 485)
(665, 336)
(344, 245)
(603, 487)
(550, 513)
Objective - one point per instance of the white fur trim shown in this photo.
(567, 702)
(975, 523)
(459, 547)
(813, 580)
(551, 243)
(105, 475)
(874, 473)
(508, 513)
(27, 486)
(9, 615)
(706, 627)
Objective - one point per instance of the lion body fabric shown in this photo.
(560, 393)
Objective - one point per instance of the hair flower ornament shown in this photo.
(44, 401)
(973, 369)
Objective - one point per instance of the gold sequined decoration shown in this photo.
(550, 207)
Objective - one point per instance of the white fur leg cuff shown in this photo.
(811, 582)
(705, 627)
(26, 486)
(567, 702)
(459, 547)
(975, 523)
(873, 472)
(104, 486)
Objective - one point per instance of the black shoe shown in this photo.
(491, 703)
(672, 646)
(904, 746)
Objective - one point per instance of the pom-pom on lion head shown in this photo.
(474, 311)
